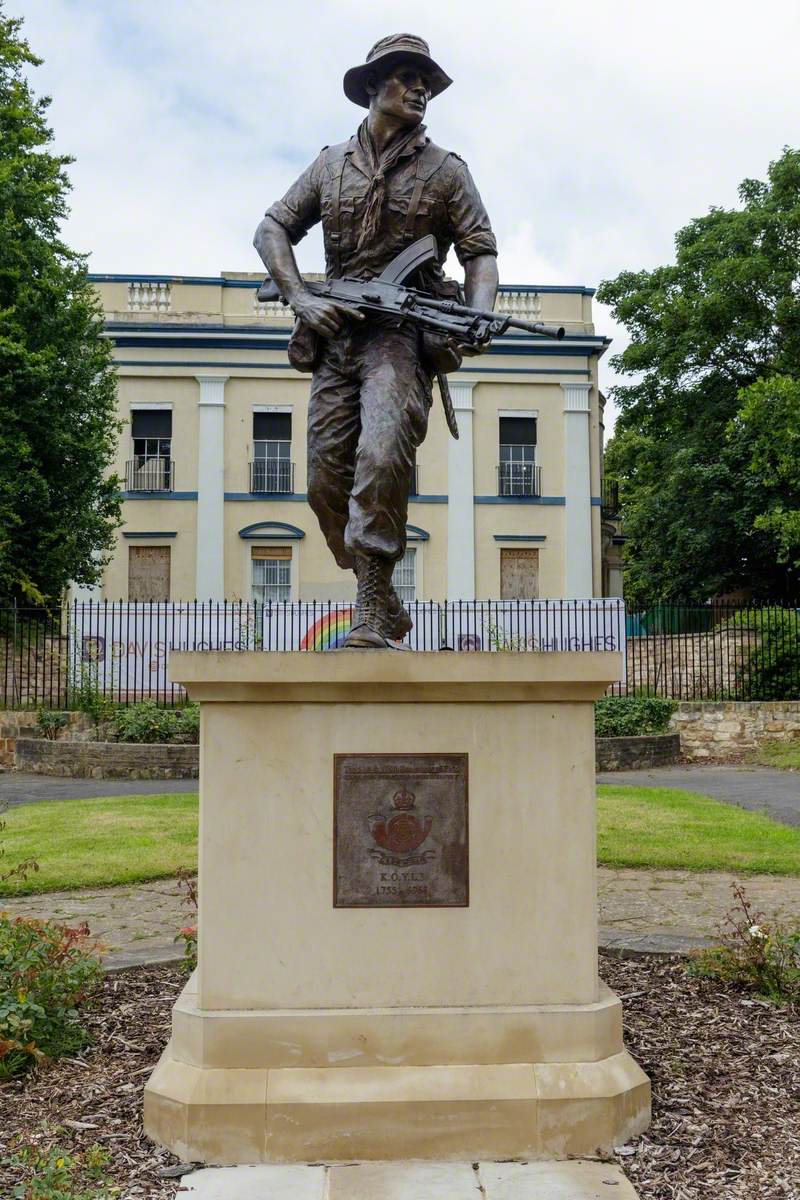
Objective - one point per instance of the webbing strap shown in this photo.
(335, 231)
(413, 204)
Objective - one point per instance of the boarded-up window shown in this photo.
(519, 574)
(272, 573)
(148, 572)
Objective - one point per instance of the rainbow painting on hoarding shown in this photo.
(329, 632)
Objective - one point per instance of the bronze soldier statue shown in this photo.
(377, 193)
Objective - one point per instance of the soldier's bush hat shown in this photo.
(383, 55)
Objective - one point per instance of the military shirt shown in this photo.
(429, 190)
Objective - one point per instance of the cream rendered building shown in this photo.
(213, 455)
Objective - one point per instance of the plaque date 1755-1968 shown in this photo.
(400, 831)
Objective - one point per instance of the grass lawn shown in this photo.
(128, 839)
(116, 839)
(667, 827)
(779, 754)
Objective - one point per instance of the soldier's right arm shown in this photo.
(284, 224)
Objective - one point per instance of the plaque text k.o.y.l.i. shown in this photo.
(401, 837)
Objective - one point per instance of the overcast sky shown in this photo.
(594, 129)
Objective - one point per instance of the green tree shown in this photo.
(704, 329)
(58, 505)
(769, 424)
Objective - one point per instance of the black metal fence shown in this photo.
(120, 651)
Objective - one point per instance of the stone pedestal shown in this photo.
(319, 1033)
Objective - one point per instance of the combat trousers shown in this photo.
(367, 414)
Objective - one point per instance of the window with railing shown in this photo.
(517, 472)
(271, 468)
(271, 573)
(404, 576)
(151, 468)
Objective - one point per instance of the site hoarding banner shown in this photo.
(122, 650)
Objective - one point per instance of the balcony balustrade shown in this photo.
(610, 500)
(149, 473)
(271, 475)
(519, 479)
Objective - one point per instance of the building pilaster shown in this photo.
(577, 493)
(461, 499)
(210, 573)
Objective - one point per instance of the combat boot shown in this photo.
(370, 627)
(398, 618)
(399, 621)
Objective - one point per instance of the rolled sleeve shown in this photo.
(471, 229)
(299, 209)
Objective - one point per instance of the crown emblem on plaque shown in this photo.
(403, 831)
(404, 800)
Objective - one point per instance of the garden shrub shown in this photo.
(760, 955)
(50, 722)
(87, 696)
(772, 670)
(47, 971)
(146, 722)
(632, 716)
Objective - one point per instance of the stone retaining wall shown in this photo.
(13, 725)
(107, 760)
(728, 728)
(631, 753)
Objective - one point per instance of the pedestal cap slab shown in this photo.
(376, 677)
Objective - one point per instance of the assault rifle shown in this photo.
(387, 294)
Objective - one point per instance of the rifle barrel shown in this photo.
(461, 310)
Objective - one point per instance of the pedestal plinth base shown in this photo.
(543, 1081)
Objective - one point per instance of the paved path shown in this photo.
(578, 1179)
(760, 789)
(644, 911)
(18, 788)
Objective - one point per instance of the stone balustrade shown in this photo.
(146, 296)
(524, 305)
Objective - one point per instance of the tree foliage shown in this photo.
(702, 505)
(58, 506)
(769, 424)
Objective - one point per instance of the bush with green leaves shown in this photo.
(86, 695)
(755, 953)
(632, 716)
(47, 971)
(50, 722)
(146, 722)
(772, 669)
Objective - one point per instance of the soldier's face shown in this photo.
(403, 93)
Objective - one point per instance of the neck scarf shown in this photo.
(380, 165)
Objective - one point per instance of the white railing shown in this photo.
(272, 310)
(149, 297)
(526, 306)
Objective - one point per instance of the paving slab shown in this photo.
(642, 912)
(577, 1179)
(404, 1181)
(256, 1183)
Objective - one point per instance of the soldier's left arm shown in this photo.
(473, 240)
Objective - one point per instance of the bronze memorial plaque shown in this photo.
(400, 835)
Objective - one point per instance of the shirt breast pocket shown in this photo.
(424, 218)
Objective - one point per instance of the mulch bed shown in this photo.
(725, 1069)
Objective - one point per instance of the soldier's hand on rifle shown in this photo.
(325, 317)
(442, 352)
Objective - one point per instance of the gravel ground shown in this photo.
(725, 1069)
